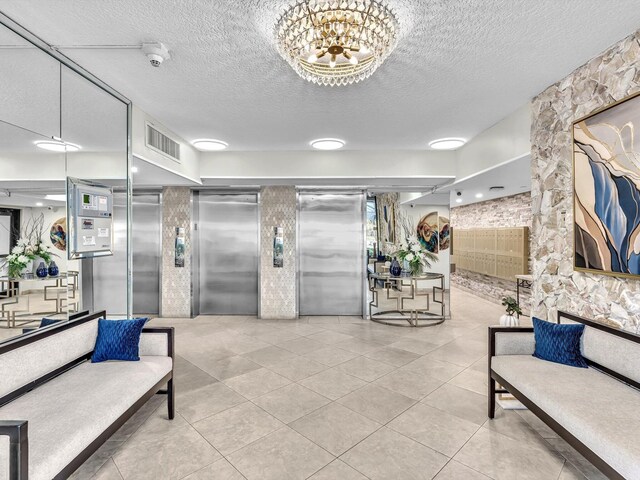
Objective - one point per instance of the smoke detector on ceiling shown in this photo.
(156, 53)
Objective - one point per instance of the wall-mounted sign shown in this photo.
(90, 213)
(278, 247)
(180, 247)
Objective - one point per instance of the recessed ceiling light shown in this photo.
(209, 144)
(327, 143)
(56, 198)
(39, 204)
(458, 200)
(447, 143)
(57, 146)
(134, 169)
(479, 195)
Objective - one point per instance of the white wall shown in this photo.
(90, 165)
(304, 164)
(415, 214)
(189, 165)
(506, 140)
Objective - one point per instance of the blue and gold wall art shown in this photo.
(606, 165)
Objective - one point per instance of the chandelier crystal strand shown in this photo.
(336, 42)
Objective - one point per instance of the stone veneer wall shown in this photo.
(278, 286)
(513, 211)
(176, 282)
(605, 79)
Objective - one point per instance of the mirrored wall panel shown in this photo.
(54, 123)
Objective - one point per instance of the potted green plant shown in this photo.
(509, 319)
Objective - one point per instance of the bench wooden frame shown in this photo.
(17, 431)
(494, 378)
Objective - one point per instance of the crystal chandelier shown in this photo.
(333, 42)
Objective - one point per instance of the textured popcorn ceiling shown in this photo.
(460, 65)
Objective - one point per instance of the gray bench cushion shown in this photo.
(23, 365)
(615, 353)
(66, 414)
(598, 410)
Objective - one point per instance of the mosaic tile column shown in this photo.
(176, 281)
(278, 286)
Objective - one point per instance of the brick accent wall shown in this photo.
(513, 211)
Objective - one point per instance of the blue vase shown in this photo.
(53, 269)
(42, 271)
(395, 268)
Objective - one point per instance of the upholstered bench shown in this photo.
(595, 409)
(57, 408)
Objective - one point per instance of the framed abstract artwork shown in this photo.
(606, 190)
(387, 204)
(433, 232)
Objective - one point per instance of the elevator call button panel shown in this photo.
(90, 212)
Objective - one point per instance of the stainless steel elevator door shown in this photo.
(146, 238)
(228, 258)
(109, 282)
(110, 273)
(331, 250)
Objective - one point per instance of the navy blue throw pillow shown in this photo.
(558, 343)
(118, 340)
(45, 322)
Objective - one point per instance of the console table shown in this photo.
(408, 288)
(63, 291)
(522, 281)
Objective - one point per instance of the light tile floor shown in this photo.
(334, 398)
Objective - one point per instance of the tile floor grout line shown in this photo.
(567, 460)
(117, 469)
(562, 469)
(462, 463)
(257, 439)
(456, 336)
(276, 431)
(134, 432)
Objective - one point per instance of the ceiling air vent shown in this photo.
(161, 143)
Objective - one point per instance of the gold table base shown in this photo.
(412, 317)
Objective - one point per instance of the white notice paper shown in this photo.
(103, 232)
(88, 241)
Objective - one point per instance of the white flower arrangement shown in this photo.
(29, 247)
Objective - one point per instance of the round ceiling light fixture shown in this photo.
(447, 143)
(336, 42)
(327, 143)
(479, 195)
(458, 200)
(209, 145)
(57, 146)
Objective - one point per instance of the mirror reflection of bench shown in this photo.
(23, 301)
(596, 409)
(57, 408)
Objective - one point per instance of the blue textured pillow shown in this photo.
(118, 340)
(558, 343)
(45, 322)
